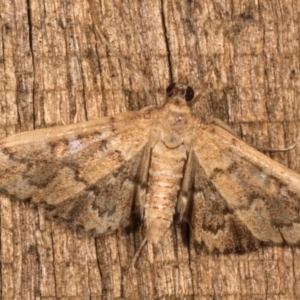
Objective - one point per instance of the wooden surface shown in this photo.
(242, 57)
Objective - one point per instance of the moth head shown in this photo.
(176, 108)
(179, 94)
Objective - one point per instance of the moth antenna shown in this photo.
(183, 79)
(224, 126)
(127, 64)
(207, 83)
(276, 149)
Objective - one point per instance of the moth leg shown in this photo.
(224, 126)
(142, 179)
(276, 149)
(137, 254)
(128, 65)
(186, 185)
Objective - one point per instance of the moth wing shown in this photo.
(85, 172)
(238, 191)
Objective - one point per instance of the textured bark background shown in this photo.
(241, 56)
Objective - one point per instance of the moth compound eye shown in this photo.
(170, 89)
(189, 94)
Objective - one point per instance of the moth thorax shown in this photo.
(165, 175)
(176, 120)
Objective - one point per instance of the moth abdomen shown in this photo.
(165, 176)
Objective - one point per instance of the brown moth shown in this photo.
(160, 161)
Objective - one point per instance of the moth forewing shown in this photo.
(266, 164)
(105, 127)
(83, 172)
(255, 192)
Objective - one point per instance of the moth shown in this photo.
(158, 162)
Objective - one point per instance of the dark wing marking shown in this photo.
(104, 206)
(213, 222)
